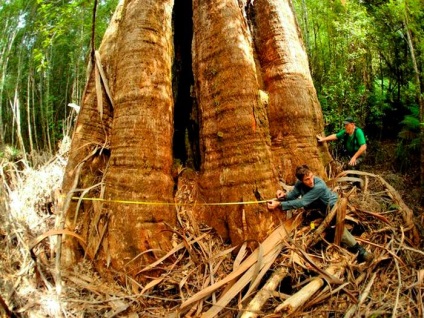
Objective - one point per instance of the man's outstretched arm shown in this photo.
(328, 138)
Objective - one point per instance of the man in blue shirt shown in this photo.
(311, 192)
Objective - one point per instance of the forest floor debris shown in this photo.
(288, 275)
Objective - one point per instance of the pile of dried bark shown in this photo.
(295, 272)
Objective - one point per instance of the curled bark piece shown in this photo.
(316, 235)
(349, 313)
(341, 214)
(297, 300)
(254, 307)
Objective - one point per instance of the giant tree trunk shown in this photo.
(295, 116)
(138, 59)
(236, 161)
(90, 148)
(141, 141)
(123, 148)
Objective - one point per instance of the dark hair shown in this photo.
(302, 171)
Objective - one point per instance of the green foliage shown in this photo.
(360, 59)
(336, 38)
(46, 45)
(10, 153)
(378, 104)
(408, 148)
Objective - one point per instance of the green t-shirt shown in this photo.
(354, 142)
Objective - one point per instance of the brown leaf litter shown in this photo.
(295, 272)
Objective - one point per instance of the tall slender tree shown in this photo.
(45, 43)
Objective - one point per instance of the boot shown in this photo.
(363, 254)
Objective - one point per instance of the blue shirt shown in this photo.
(318, 197)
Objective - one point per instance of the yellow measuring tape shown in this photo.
(165, 203)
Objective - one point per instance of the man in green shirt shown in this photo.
(311, 192)
(354, 142)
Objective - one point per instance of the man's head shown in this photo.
(349, 124)
(305, 175)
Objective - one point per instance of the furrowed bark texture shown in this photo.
(236, 158)
(295, 116)
(141, 143)
(124, 150)
(86, 165)
(137, 56)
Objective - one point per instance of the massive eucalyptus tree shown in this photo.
(294, 112)
(223, 85)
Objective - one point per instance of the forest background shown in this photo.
(366, 60)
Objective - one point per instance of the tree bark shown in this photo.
(122, 148)
(254, 307)
(420, 99)
(290, 305)
(91, 132)
(141, 141)
(236, 157)
(294, 113)
(4, 61)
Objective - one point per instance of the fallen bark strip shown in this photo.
(349, 313)
(63, 207)
(268, 245)
(418, 288)
(4, 309)
(241, 283)
(254, 307)
(327, 276)
(320, 229)
(332, 182)
(293, 303)
(376, 215)
(326, 292)
(266, 292)
(340, 225)
(407, 213)
(173, 251)
(51, 232)
(279, 232)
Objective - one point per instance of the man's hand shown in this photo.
(273, 204)
(352, 162)
(327, 138)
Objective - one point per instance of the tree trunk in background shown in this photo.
(295, 116)
(16, 109)
(4, 61)
(124, 151)
(28, 113)
(420, 100)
